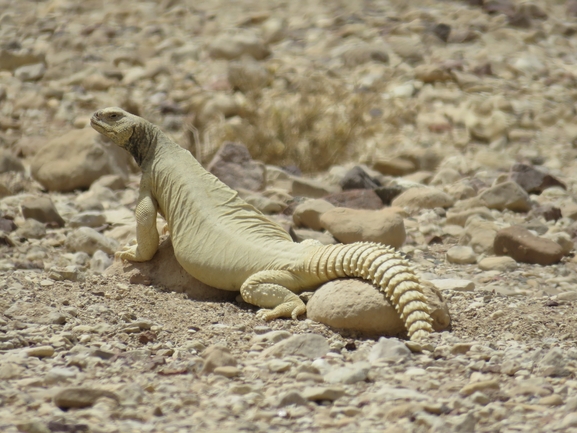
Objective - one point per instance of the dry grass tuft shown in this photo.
(314, 122)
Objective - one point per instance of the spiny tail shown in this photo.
(384, 267)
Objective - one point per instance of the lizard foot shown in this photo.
(127, 253)
(289, 309)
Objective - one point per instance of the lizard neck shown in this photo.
(142, 143)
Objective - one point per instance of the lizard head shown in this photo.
(114, 123)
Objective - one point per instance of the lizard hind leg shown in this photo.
(270, 290)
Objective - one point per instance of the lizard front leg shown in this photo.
(268, 289)
(146, 232)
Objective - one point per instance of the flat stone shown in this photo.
(234, 166)
(88, 240)
(506, 195)
(322, 393)
(483, 385)
(348, 374)
(498, 263)
(40, 351)
(80, 397)
(520, 244)
(423, 198)
(307, 345)
(389, 349)
(455, 284)
(356, 199)
(461, 255)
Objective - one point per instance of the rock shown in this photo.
(7, 225)
(32, 229)
(546, 211)
(274, 30)
(111, 181)
(486, 127)
(10, 370)
(506, 195)
(359, 306)
(87, 219)
(356, 372)
(217, 356)
(481, 386)
(302, 187)
(460, 217)
(77, 159)
(357, 178)
(502, 264)
(389, 349)
(563, 239)
(533, 180)
(454, 284)
(9, 162)
(70, 273)
(79, 397)
(480, 235)
(41, 209)
(461, 255)
(395, 166)
(234, 46)
(323, 393)
(308, 213)
(306, 345)
(41, 351)
(433, 73)
(163, 270)
(350, 225)
(553, 364)
(518, 243)
(356, 199)
(10, 61)
(423, 198)
(358, 54)
(234, 166)
(30, 72)
(88, 240)
(409, 49)
(292, 398)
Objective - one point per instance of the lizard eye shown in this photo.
(113, 116)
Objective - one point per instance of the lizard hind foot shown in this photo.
(293, 310)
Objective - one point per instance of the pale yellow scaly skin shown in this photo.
(226, 243)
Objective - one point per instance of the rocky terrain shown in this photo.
(446, 129)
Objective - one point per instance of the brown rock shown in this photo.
(80, 397)
(395, 166)
(423, 198)
(356, 199)
(385, 226)
(77, 159)
(308, 214)
(163, 270)
(9, 162)
(41, 209)
(520, 244)
(234, 166)
(533, 180)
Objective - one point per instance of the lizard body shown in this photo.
(226, 243)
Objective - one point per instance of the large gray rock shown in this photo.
(358, 305)
(88, 240)
(307, 345)
(77, 159)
